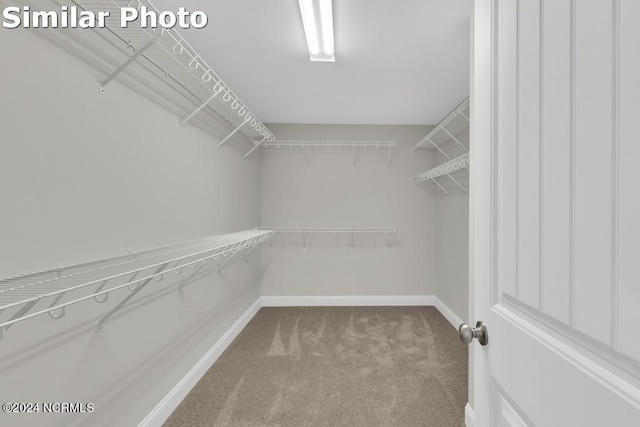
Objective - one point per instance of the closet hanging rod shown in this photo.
(22, 293)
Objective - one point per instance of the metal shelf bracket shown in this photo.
(128, 62)
(441, 187)
(437, 147)
(255, 147)
(355, 158)
(197, 110)
(22, 312)
(137, 289)
(234, 131)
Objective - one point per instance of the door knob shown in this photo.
(467, 333)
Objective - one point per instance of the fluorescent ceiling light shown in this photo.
(317, 18)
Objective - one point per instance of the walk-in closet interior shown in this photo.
(168, 191)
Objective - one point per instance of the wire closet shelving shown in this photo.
(353, 146)
(97, 280)
(450, 138)
(350, 231)
(181, 66)
(447, 169)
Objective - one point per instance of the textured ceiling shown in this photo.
(397, 61)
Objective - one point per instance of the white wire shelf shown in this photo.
(329, 230)
(452, 129)
(351, 231)
(353, 146)
(180, 64)
(446, 170)
(97, 280)
(360, 145)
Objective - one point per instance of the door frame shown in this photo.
(480, 198)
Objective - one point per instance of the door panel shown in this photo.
(553, 383)
(527, 152)
(505, 413)
(506, 125)
(556, 147)
(561, 189)
(592, 186)
(558, 200)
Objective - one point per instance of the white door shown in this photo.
(555, 222)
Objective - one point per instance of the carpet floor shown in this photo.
(335, 366)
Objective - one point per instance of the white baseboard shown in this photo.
(347, 300)
(370, 300)
(163, 410)
(469, 416)
(453, 318)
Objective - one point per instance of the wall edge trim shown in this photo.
(348, 300)
(469, 416)
(449, 314)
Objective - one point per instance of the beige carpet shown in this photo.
(335, 366)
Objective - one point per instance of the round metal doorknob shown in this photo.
(467, 333)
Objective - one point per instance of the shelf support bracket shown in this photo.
(463, 114)
(190, 116)
(128, 62)
(128, 297)
(255, 147)
(458, 184)
(454, 138)
(249, 251)
(389, 157)
(233, 133)
(355, 157)
(24, 310)
(441, 187)
(439, 149)
(234, 249)
(226, 261)
(187, 281)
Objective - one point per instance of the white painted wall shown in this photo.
(332, 193)
(452, 253)
(452, 223)
(85, 176)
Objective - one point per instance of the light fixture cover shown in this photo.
(317, 18)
